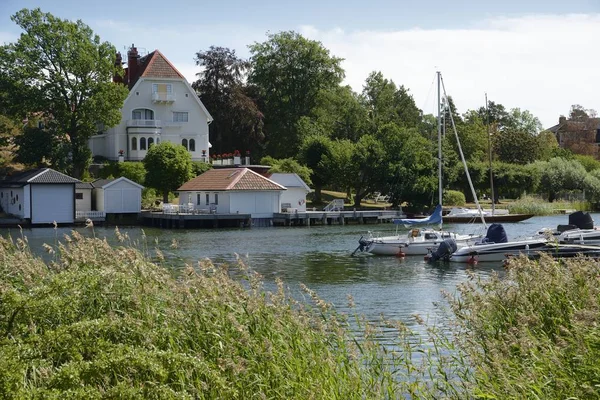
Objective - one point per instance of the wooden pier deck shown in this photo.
(307, 218)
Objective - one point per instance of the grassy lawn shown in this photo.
(329, 195)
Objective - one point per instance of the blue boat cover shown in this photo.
(495, 234)
(434, 218)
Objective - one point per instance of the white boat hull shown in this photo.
(497, 252)
(400, 246)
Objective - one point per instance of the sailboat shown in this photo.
(421, 241)
(458, 215)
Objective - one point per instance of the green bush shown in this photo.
(132, 170)
(454, 198)
(200, 167)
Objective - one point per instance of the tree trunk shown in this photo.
(357, 200)
(165, 196)
(318, 193)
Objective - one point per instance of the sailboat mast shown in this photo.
(439, 121)
(487, 117)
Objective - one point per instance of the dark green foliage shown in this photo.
(288, 165)
(61, 70)
(168, 167)
(454, 198)
(315, 149)
(200, 167)
(40, 148)
(237, 120)
(134, 171)
(290, 72)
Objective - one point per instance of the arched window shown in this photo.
(143, 143)
(150, 142)
(133, 143)
(142, 113)
(157, 140)
(192, 145)
(184, 143)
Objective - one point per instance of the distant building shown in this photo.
(161, 106)
(231, 191)
(294, 198)
(580, 136)
(41, 196)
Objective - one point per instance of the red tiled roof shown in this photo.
(156, 65)
(230, 179)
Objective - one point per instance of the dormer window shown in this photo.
(165, 88)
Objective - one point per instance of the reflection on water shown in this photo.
(319, 257)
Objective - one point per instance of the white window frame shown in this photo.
(168, 86)
(180, 116)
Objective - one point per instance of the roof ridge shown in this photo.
(42, 172)
(153, 59)
(237, 178)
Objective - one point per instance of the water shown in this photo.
(319, 257)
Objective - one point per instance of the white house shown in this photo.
(83, 196)
(294, 197)
(42, 196)
(233, 190)
(161, 106)
(117, 196)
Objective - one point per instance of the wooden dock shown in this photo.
(188, 220)
(307, 218)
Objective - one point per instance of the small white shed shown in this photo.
(42, 195)
(83, 196)
(117, 196)
(294, 198)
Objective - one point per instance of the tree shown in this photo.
(369, 160)
(516, 146)
(288, 165)
(168, 167)
(341, 113)
(387, 103)
(238, 122)
(522, 121)
(61, 69)
(313, 152)
(290, 71)
(41, 147)
(134, 171)
(559, 175)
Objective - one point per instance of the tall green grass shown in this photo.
(95, 321)
(540, 207)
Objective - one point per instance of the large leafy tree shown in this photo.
(290, 72)
(388, 103)
(168, 167)
(313, 153)
(237, 121)
(63, 70)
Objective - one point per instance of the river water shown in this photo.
(319, 257)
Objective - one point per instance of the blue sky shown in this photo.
(537, 55)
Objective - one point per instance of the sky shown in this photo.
(541, 56)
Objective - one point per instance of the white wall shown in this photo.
(12, 200)
(84, 204)
(121, 197)
(260, 204)
(224, 200)
(296, 197)
(141, 97)
(98, 194)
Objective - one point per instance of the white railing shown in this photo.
(157, 97)
(335, 205)
(93, 215)
(146, 123)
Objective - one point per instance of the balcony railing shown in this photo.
(144, 123)
(163, 97)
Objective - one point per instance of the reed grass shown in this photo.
(95, 321)
(540, 207)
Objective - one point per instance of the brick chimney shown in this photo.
(118, 78)
(132, 66)
(562, 119)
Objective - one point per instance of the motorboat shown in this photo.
(580, 230)
(495, 247)
(562, 250)
(417, 241)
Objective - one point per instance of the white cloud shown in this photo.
(540, 63)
